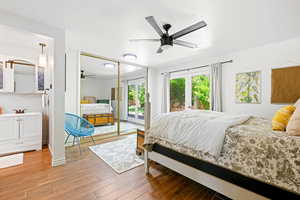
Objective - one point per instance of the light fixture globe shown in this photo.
(42, 56)
(129, 56)
(109, 65)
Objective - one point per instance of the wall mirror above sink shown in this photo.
(22, 76)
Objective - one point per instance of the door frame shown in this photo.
(136, 82)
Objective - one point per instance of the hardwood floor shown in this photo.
(87, 177)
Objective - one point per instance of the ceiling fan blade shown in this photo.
(154, 24)
(159, 50)
(185, 44)
(145, 40)
(189, 29)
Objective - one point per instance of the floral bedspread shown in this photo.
(253, 150)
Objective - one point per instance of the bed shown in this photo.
(253, 162)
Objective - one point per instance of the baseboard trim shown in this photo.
(57, 162)
(50, 149)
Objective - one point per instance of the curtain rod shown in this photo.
(181, 70)
(134, 79)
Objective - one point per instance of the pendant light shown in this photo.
(43, 56)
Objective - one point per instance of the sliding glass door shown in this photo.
(190, 90)
(136, 100)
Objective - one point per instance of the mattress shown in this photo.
(254, 150)
(97, 108)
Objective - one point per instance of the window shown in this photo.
(177, 94)
(190, 90)
(200, 92)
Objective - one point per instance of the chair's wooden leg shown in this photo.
(73, 140)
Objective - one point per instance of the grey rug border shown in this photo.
(119, 172)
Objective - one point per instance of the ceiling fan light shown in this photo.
(109, 65)
(129, 56)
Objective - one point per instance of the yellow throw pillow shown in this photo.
(282, 117)
(84, 101)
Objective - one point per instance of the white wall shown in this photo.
(263, 58)
(56, 66)
(32, 103)
(100, 88)
(72, 94)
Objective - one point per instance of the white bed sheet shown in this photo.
(96, 108)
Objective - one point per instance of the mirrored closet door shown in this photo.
(112, 96)
(99, 94)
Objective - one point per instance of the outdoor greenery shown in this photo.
(132, 103)
(177, 94)
(200, 93)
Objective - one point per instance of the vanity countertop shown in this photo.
(20, 115)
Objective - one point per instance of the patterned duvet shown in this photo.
(253, 150)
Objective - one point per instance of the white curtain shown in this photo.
(216, 87)
(165, 93)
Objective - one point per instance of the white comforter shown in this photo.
(200, 130)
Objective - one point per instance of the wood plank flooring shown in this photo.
(86, 177)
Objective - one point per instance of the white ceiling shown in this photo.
(21, 44)
(104, 27)
(94, 66)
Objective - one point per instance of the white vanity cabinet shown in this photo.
(20, 132)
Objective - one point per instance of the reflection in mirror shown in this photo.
(133, 80)
(41, 78)
(1, 75)
(24, 75)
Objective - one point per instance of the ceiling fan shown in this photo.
(83, 75)
(166, 40)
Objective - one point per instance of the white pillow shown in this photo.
(293, 126)
(297, 104)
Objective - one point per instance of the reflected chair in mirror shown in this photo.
(78, 127)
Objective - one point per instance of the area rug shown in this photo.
(119, 155)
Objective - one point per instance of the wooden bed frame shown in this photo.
(219, 179)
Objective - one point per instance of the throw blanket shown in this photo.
(200, 130)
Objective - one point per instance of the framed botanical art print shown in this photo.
(248, 87)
